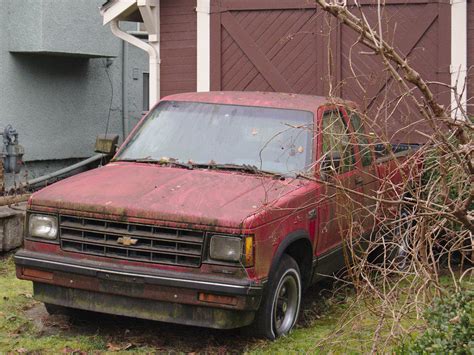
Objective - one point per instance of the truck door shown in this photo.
(337, 208)
(366, 171)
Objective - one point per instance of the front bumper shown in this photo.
(138, 292)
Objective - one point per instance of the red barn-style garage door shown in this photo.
(293, 46)
(264, 45)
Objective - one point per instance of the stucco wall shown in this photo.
(69, 27)
(59, 104)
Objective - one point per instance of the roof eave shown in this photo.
(122, 10)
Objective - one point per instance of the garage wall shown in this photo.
(293, 46)
(178, 46)
(264, 46)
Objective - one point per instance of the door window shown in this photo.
(362, 139)
(337, 145)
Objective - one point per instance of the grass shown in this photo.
(18, 332)
(26, 327)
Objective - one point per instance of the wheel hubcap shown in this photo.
(404, 230)
(286, 305)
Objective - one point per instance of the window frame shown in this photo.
(348, 111)
(354, 147)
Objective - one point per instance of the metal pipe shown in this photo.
(153, 49)
(65, 170)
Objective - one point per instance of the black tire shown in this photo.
(400, 256)
(281, 302)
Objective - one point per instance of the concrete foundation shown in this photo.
(12, 222)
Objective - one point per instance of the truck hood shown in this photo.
(153, 192)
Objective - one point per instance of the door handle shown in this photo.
(312, 214)
(359, 180)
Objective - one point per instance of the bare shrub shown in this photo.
(425, 224)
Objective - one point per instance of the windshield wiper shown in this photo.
(252, 169)
(240, 167)
(168, 162)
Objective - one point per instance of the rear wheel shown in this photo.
(279, 310)
(401, 239)
(392, 243)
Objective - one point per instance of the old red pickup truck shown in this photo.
(204, 216)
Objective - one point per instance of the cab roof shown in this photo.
(261, 99)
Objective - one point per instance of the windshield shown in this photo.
(274, 140)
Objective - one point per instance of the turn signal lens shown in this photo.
(249, 252)
(37, 274)
(210, 298)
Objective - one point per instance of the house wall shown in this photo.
(470, 56)
(67, 27)
(60, 103)
(178, 46)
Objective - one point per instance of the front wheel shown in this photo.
(279, 310)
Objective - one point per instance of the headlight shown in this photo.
(225, 248)
(42, 226)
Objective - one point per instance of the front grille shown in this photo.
(145, 242)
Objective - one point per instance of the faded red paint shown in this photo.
(159, 194)
(223, 202)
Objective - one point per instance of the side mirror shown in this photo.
(330, 165)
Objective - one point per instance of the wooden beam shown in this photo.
(216, 51)
(11, 200)
(242, 5)
(410, 41)
(118, 10)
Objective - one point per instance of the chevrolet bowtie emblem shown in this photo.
(127, 241)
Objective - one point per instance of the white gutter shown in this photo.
(458, 67)
(203, 10)
(153, 52)
(149, 10)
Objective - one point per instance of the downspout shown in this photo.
(153, 52)
(125, 119)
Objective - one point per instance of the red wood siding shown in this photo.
(253, 60)
(470, 56)
(178, 46)
(421, 32)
